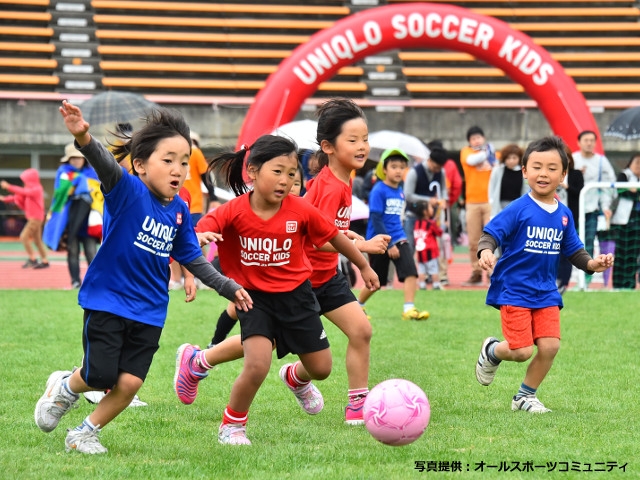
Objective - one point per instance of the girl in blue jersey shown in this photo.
(533, 231)
(124, 293)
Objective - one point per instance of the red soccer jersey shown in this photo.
(267, 255)
(333, 198)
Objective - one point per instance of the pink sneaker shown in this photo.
(353, 414)
(233, 434)
(185, 380)
(308, 396)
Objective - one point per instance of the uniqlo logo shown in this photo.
(292, 227)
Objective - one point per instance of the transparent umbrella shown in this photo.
(409, 144)
(626, 125)
(303, 132)
(114, 107)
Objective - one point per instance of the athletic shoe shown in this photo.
(96, 396)
(233, 434)
(308, 396)
(30, 263)
(485, 369)
(54, 403)
(185, 380)
(353, 415)
(84, 441)
(414, 314)
(528, 404)
(40, 265)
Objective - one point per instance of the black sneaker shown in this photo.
(41, 265)
(30, 264)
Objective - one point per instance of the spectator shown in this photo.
(595, 168)
(477, 159)
(30, 199)
(627, 222)
(424, 182)
(67, 226)
(506, 182)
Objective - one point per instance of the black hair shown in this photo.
(634, 155)
(438, 155)
(230, 165)
(546, 144)
(161, 123)
(332, 115)
(587, 132)
(475, 130)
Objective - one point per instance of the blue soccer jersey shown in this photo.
(140, 233)
(389, 203)
(532, 240)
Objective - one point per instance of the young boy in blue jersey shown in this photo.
(124, 293)
(533, 231)
(386, 204)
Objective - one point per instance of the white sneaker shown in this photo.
(84, 441)
(95, 396)
(54, 403)
(528, 404)
(308, 396)
(485, 370)
(233, 434)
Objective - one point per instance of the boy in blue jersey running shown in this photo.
(533, 231)
(386, 205)
(124, 293)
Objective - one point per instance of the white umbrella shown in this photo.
(409, 144)
(303, 132)
(359, 209)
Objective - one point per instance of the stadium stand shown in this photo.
(230, 48)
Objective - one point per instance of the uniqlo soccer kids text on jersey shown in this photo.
(140, 233)
(267, 255)
(532, 241)
(333, 197)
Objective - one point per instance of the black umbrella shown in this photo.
(113, 107)
(626, 125)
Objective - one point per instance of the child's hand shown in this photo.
(76, 124)
(601, 263)
(394, 252)
(487, 260)
(371, 280)
(190, 288)
(376, 245)
(205, 238)
(4, 184)
(243, 300)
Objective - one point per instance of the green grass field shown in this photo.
(592, 390)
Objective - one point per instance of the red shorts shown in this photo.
(521, 326)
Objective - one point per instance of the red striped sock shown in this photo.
(293, 379)
(231, 416)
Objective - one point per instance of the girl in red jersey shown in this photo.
(343, 138)
(264, 232)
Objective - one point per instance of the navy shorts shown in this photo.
(114, 344)
(291, 320)
(335, 293)
(405, 263)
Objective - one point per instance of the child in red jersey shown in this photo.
(426, 234)
(264, 231)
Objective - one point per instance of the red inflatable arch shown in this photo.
(416, 25)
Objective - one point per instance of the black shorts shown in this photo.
(114, 344)
(334, 294)
(290, 319)
(405, 263)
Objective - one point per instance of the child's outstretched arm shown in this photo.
(346, 247)
(221, 284)
(75, 122)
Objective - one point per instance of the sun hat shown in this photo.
(70, 151)
(390, 152)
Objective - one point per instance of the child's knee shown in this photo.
(100, 378)
(522, 354)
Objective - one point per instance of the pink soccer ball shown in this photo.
(396, 412)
